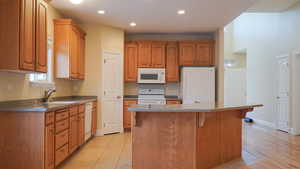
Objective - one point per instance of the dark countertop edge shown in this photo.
(190, 110)
(24, 105)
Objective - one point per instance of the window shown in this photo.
(44, 79)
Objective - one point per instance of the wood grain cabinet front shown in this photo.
(73, 133)
(94, 118)
(172, 62)
(127, 114)
(49, 147)
(61, 154)
(173, 102)
(131, 60)
(69, 49)
(196, 53)
(23, 40)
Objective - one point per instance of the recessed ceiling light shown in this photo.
(132, 24)
(181, 12)
(76, 1)
(101, 12)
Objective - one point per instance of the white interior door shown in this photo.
(112, 100)
(235, 86)
(283, 94)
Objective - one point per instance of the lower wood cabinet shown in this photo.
(173, 102)
(127, 114)
(52, 135)
(73, 134)
(94, 119)
(49, 148)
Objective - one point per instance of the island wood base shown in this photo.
(180, 140)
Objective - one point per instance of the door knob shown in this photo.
(278, 97)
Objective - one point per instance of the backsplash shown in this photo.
(171, 89)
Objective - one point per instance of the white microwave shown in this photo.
(150, 75)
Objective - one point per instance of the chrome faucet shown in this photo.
(48, 93)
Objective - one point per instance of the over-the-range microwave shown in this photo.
(151, 75)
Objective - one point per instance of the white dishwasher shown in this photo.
(88, 120)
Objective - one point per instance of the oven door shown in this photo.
(146, 75)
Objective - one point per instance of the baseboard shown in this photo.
(294, 132)
(99, 132)
(264, 123)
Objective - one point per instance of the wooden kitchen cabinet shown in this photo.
(23, 40)
(131, 59)
(94, 118)
(69, 49)
(196, 53)
(81, 129)
(158, 54)
(151, 54)
(144, 54)
(41, 37)
(73, 129)
(172, 62)
(205, 53)
(127, 114)
(173, 102)
(49, 145)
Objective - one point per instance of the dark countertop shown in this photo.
(205, 107)
(36, 105)
(135, 97)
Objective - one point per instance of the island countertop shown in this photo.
(205, 107)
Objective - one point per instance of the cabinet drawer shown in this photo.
(73, 110)
(61, 139)
(49, 118)
(62, 125)
(81, 108)
(129, 102)
(61, 154)
(61, 115)
(173, 102)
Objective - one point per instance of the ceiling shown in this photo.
(158, 16)
(272, 5)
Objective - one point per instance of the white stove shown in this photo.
(151, 94)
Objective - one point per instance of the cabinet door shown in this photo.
(127, 114)
(94, 119)
(144, 54)
(131, 56)
(73, 133)
(41, 36)
(172, 68)
(74, 53)
(173, 102)
(158, 54)
(27, 35)
(204, 54)
(49, 147)
(81, 130)
(187, 53)
(81, 62)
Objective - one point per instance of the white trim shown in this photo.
(265, 123)
(293, 132)
(283, 56)
(99, 132)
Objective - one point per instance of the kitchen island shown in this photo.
(199, 136)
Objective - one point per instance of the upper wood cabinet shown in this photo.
(172, 62)
(158, 54)
(69, 49)
(151, 54)
(196, 53)
(41, 37)
(23, 40)
(144, 54)
(131, 57)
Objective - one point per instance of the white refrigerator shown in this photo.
(198, 85)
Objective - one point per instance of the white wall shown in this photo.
(265, 36)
